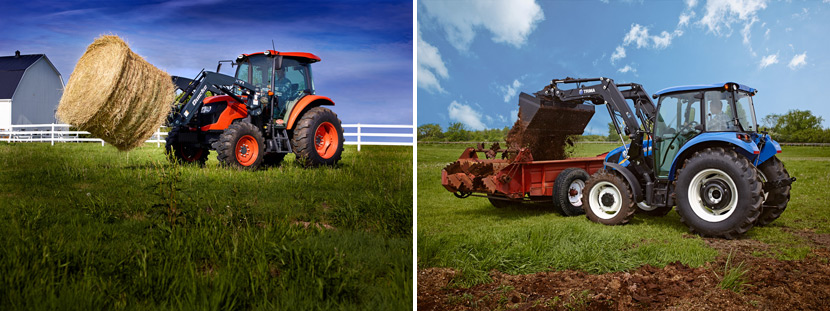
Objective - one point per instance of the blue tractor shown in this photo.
(699, 149)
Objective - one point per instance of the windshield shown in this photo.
(746, 111)
(257, 71)
(721, 114)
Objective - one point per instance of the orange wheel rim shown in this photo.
(326, 140)
(247, 150)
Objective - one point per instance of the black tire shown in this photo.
(499, 202)
(718, 193)
(181, 153)
(607, 199)
(567, 191)
(776, 198)
(273, 159)
(306, 139)
(240, 146)
(645, 209)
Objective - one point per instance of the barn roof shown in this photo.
(11, 70)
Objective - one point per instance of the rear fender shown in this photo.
(707, 140)
(307, 102)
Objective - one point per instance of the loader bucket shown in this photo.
(545, 124)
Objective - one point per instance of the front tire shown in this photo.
(568, 191)
(181, 153)
(318, 138)
(607, 199)
(718, 193)
(776, 198)
(240, 146)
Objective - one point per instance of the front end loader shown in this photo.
(266, 111)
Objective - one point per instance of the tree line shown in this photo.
(795, 126)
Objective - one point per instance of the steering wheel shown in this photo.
(688, 128)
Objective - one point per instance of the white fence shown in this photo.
(60, 133)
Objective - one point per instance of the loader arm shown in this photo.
(607, 93)
(193, 93)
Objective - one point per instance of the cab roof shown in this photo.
(703, 87)
(311, 58)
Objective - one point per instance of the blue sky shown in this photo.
(475, 57)
(365, 46)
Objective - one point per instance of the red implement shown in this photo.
(516, 178)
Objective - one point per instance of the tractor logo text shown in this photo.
(586, 91)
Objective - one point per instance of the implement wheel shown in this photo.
(240, 146)
(718, 193)
(318, 138)
(607, 200)
(568, 191)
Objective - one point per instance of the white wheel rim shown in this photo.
(599, 190)
(700, 209)
(576, 187)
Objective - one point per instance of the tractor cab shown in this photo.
(283, 78)
(686, 112)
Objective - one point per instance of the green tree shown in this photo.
(800, 126)
(612, 133)
(457, 132)
(430, 132)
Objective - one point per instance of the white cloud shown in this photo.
(619, 53)
(721, 14)
(662, 41)
(627, 68)
(510, 90)
(514, 116)
(769, 60)
(509, 22)
(684, 19)
(430, 67)
(465, 114)
(745, 32)
(798, 61)
(638, 34)
(692, 3)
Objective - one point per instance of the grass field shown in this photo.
(472, 236)
(87, 227)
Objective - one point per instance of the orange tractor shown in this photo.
(268, 110)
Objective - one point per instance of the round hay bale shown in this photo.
(116, 95)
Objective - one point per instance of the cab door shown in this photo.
(678, 121)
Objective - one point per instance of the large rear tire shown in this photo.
(718, 193)
(607, 199)
(182, 153)
(567, 191)
(776, 198)
(318, 138)
(240, 146)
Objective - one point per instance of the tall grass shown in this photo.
(87, 227)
